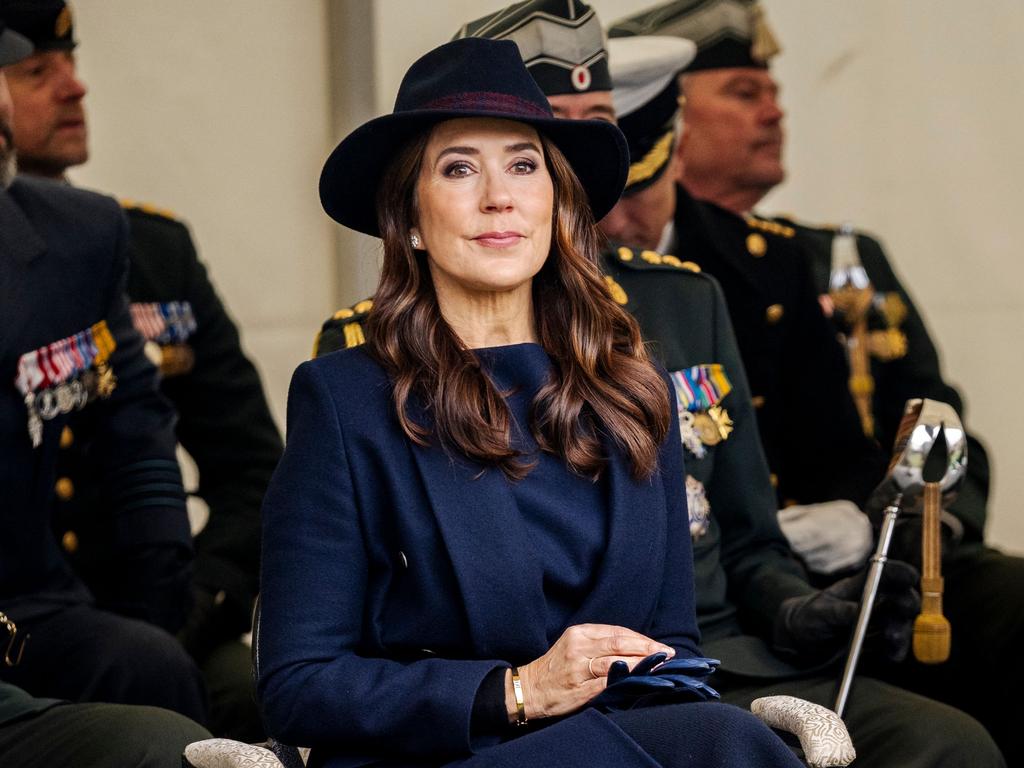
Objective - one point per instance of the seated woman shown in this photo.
(482, 509)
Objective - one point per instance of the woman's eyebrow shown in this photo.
(458, 151)
(522, 146)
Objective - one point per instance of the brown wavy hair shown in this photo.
(603, 380)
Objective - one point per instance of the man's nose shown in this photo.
(70, 87)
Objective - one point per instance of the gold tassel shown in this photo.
(353, 335)
(764, 44)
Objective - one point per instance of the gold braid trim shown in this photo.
(652, 162)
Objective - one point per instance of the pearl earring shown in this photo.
(415, 240)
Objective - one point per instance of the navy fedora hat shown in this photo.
(13, 47)
(471, 77)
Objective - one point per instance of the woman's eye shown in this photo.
(524, 166)
(457, 170)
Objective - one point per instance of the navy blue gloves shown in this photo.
(656, 681)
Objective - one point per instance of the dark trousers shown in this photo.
(984, 602)
(97, 736)
(84, 654)
(890, 727)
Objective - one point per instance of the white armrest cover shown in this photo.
(225, 753)
(823, 737)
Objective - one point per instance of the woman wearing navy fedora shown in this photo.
(476, 545)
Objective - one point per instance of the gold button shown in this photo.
(651, 257)
(65, 488)
(757, 401)
(67, 437)
(69, 541)
(774, 480)
(774, 313)
(625, 254)
(757, 245)
(363, 306)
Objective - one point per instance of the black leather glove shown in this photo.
(813, 628)
(906, 535)
(209, 624)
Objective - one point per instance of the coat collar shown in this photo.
(17, 235)
(499, 575)
(711, 236)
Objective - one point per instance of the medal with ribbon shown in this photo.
(65, 375)
(702, 421)
(166, 326)
(698, 506)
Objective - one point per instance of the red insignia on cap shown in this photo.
(580, 78)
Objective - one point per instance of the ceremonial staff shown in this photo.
(924, 423)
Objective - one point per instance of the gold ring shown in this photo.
(590, 666)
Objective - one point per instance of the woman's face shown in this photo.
(484, 205)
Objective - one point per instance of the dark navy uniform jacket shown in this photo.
(798, 371)
(64, 270)
(224, 423)
(914, 373)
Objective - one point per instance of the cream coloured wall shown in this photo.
(903, 117)
(219, 111)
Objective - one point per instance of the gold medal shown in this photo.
(713, 426)
(176, 359)
(106, 382)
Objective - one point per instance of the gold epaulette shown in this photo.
(349, 319)
(641, 257)
(792, 220)
(361, 308)
(152, 210)
(771, 227)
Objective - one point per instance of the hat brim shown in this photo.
(595, 149)
(13, 47)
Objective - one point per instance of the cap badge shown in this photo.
(581, 77)
(62, 26)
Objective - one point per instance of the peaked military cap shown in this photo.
(13, 47)
(728, 33)
(645, 91)
(48, 24)
(560, 41)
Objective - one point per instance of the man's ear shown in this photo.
(678, 154)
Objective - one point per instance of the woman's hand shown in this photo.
(575, 669)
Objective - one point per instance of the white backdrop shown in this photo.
(903, 117)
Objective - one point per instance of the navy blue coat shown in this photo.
(62, 269)
(395, 579)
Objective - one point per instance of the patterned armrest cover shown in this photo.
(822, 735)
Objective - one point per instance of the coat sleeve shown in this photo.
(140, 479)
(758, 562)
(317, 682)
(675, 620)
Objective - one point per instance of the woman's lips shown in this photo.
(498, 239)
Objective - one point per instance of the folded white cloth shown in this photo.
(830, 536)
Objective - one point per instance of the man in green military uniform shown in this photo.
(224, 422)
(757, 612)
(733, 157)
